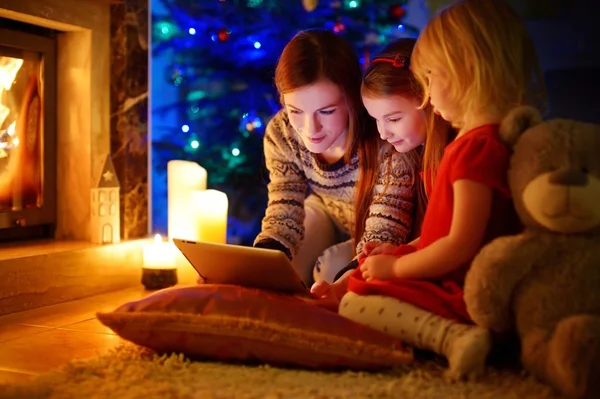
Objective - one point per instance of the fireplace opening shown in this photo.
(27, 131)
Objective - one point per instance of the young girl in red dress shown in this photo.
(476, 62)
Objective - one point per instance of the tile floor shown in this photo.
(40, 340)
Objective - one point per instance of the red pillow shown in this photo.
(224, 322)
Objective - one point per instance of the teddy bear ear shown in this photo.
(518, 121)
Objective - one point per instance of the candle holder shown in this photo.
(156, 279)
(159, 269)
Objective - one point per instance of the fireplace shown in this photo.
(27, 131)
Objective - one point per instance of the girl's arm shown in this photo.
(391, 211)
(283, 224)
(470, 216)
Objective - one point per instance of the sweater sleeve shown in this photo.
(391, 211)
(283, 223)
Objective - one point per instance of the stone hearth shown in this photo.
(102, 108)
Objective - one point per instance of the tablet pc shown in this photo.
(240, 265)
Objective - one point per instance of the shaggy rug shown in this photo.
(132, 372)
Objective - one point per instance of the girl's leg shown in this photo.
(319, 234)
(465, 346)
(332, 260)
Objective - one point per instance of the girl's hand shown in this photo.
(378, 267)
(375, 248)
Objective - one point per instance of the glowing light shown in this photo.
(195, 144)
(235, 152)
(185, 128)
(257, 45)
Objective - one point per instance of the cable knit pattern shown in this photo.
(294, 172)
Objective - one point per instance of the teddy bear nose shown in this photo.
(569, 177)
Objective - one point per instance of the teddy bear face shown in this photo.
(556, 169)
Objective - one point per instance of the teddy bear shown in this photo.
(544, 283)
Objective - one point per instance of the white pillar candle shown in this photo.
(209, 215)
(158, 254)
(183, 178)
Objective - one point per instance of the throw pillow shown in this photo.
(232, 323)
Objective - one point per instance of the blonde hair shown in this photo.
(490, 59)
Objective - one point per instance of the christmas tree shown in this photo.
(225, 53)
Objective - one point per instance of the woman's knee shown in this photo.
(332, 260)
(319, 234)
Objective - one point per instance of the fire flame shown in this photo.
(9, 67)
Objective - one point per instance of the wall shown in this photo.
(129, 112)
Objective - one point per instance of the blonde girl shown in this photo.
(476, 61)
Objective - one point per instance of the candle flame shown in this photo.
(157, 239)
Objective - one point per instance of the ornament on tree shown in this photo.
(350, 4)
(223, 34)
(232, 156)
(339, 27)
(193, 144)
(396, 12)
(164, 30)
(175, 74)
(250, 123)
(310, 5)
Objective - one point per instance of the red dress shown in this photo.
(480, 156)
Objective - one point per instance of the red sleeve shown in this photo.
(482, 158)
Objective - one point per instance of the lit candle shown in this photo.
(160, 269)
(183, 178)
(159, 254)
(209, 215)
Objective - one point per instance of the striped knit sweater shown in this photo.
(295, 172)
